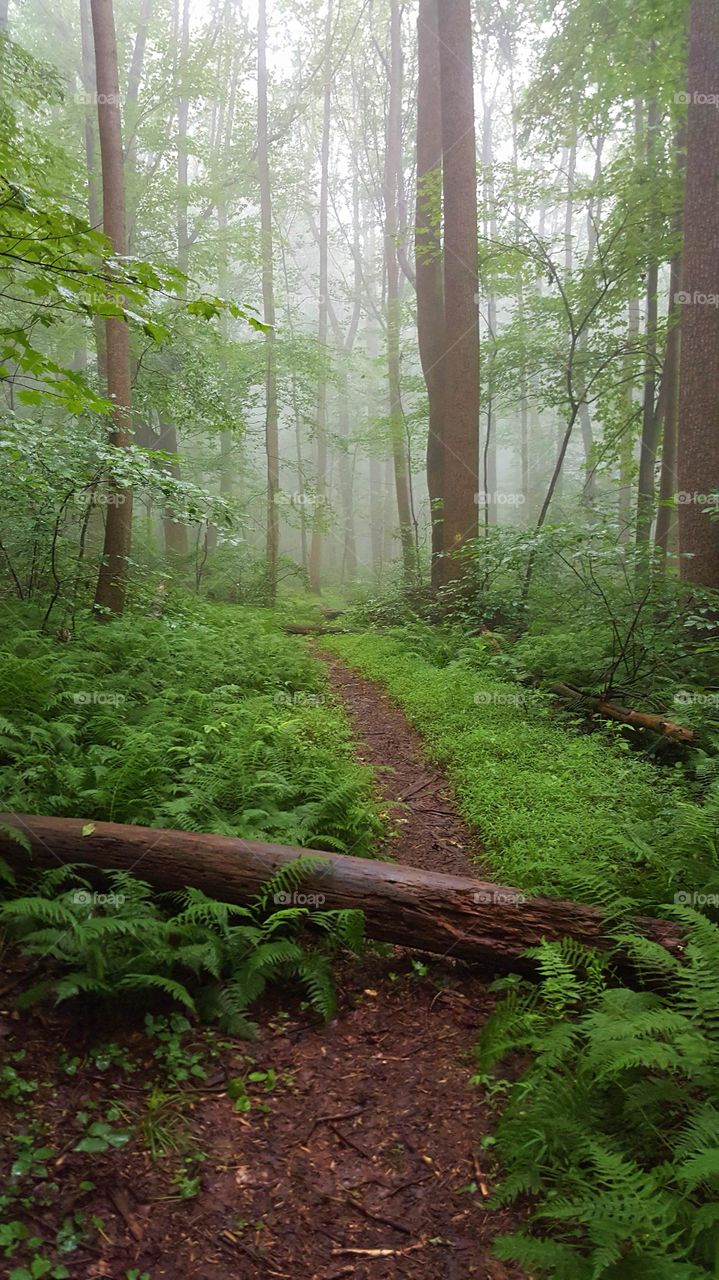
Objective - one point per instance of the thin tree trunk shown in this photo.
(272, 448)
(626, 447)
(698, 470)
(94, 210)
(666, 528)
(461, 359)
(489, 478)
(428, 262)
(650, 417)
(321, 422)
(112, 578)
(393, 162)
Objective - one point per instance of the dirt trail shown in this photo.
(365, 1158)
(429, 832)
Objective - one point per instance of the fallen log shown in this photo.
(642, 719)
(447, 915)
(316, 629)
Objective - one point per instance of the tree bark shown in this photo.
(272, 447)
(650, 422)
(315, 574)
(112, 578)
(392, 177)
(666, 519)
(625, 715)
(460, 364)
(428, 262)
(448, 915)
(698, 470)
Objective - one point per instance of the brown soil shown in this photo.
(428, 831)
(363, 1159)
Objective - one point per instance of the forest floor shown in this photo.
(355, 1151)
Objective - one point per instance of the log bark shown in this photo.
(642, 719)
(452, 916)
(316, 629)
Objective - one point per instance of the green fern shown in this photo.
(613, 1128)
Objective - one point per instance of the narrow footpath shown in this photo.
(365, 1158)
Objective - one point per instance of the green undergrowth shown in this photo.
(207, 719)
(554, 806)
(613, 1127)
(212, 720)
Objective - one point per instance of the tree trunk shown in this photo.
(321, 423)
(626, 447)
(112, 578)
(460, 364)
(428, 262)
(272, 447)
(392, 175)
(489, 462)
(94, 211)
(698, 471)
(448, 915)
(176, 541)
(183, 108)
(650, 418)
(670, 378)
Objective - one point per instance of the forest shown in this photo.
(359, 639)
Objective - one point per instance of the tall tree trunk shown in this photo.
(272, 447)
(650, 417)
(698, 471)
(670, 381)
(323, 314)
(94, 210)
(461, 360)
(489, 462)
(112, 578)
(393, 163)
(626, 446)
(523, 379)
(376, 516)
(428, 262)
(134, 80)
(4, 6)
(585, 418)
(183, 108)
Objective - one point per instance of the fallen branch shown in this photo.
(448, 915)
(316, 629)
(642, 719)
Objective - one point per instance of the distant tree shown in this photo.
(698, 469)
(460, 419)
(112, 578)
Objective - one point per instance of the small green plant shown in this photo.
(613, 1128)
(209, 957)
(14, 1086)
(100, 1135)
